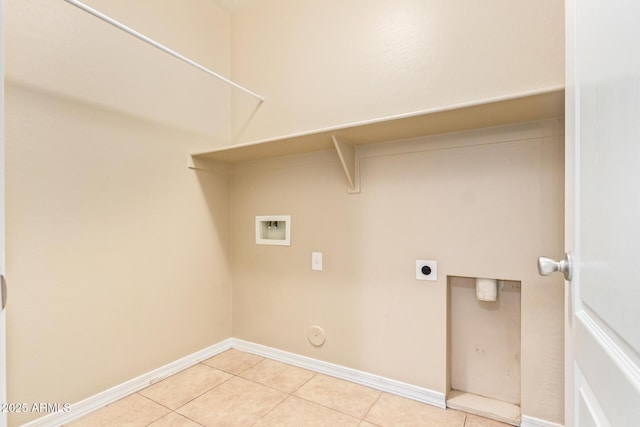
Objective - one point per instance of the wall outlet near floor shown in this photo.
(426, 270)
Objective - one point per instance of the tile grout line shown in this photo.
(289, 394)
(150, 400)
(238, 375)
(272, 387)
(139, 392)
(305, 383)
(207, 391)
(233, 373)
(371, 407)
(270, 410)
(338, 410)
(326, 407)
(184, 416)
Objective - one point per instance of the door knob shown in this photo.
(546, 266)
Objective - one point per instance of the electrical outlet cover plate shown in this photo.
(433, 265)
(316, 261)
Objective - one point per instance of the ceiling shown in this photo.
(233, 5)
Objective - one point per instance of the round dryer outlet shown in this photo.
(316, 336)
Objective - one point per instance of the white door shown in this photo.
(603, 213)
(3, 352)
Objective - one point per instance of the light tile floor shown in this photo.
(241, 389)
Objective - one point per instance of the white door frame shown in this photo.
(569, 206)
(3, 352)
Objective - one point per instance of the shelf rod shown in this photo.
(157, 45)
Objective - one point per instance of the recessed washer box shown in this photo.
(273, 230)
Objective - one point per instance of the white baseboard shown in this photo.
(359, 377)
(97, 401)
(536, 422)
(364, 378)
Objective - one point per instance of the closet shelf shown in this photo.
(496, 112)
(345, 140)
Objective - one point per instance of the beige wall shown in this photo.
(55, 47)
(117, 254)
(329, 63)
(483, 204)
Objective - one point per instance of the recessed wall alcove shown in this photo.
(484, 350)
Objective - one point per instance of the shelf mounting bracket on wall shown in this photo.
(162, 47)
(208, 165)
(350, 161)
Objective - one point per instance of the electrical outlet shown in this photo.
(316, 261)
(426, 270)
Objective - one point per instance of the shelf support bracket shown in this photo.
(208, 165)
(350, 161)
